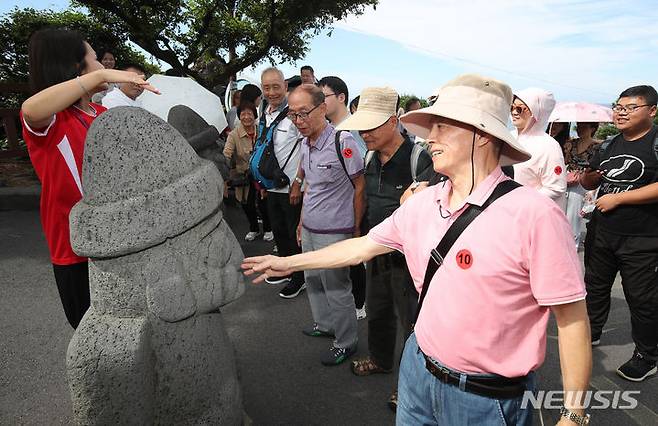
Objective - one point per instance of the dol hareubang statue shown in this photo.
(152, 349)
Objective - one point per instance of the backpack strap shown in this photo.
(655, 146)
(368, 158)
(605, 144)
(265, 132)
(452, 234)
(340, 155)
(416, 151)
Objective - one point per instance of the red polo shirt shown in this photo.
(56, 154)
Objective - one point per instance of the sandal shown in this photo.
(393, 401)
(366, 366)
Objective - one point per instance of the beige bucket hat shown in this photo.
(479, 101)
(376, 105)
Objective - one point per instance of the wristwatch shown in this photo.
(299, 180)
(576, 418)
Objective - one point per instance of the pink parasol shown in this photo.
(580, 111)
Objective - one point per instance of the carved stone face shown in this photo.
(190, 274)
(202, 267)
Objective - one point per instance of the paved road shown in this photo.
(283, 381)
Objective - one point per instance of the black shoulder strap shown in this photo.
(291, 153)
(655, 146)
(452, 234)
(603, 148)
(340, 155)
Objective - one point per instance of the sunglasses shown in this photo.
(518, 109)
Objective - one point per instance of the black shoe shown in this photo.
(335, 356)
(637, 368)
(314, 331)
(277, 280)
(292, 290)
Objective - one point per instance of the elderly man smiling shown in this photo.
(488, 287)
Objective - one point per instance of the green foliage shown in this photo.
(405, 97)
(212, 40)
(17, 26)
(605, 130)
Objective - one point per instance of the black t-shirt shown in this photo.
(628, 165)
(386, 184)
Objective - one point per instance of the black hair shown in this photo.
(594, 126)
(101, 53)
(247, 106)
(336, 85)
(563, 135)
(307, 68)
(355, 103)
(410, 101)
(55, 55)
(249, 93)
(134, 65)
(648, 93)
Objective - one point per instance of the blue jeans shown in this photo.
(425, 400)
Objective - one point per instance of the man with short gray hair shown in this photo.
(283, 204)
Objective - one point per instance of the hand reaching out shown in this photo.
(268, 266)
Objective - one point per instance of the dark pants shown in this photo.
(358, 277)
(284, 219)
(636, 258)
(392, 300)
(73, 286)
(253, 207)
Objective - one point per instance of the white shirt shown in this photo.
(117, 98)
(285, 136)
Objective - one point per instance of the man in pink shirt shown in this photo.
(514, 264)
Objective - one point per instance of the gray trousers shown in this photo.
(330, 292)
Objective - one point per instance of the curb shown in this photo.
(20, 198)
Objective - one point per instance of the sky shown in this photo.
(581, 50)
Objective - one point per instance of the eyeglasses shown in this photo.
(518, 109)
(326, 95)
(294, 116)
(628, 109)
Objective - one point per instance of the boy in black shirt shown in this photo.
(624, 229)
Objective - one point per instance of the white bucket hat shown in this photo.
(479, 101)
(376, 105)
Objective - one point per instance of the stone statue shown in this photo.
(204, 138)
(152, 349)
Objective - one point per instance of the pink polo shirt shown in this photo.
(487, 307)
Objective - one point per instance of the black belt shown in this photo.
(492, 387)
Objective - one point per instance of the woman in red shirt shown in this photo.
(64, 74)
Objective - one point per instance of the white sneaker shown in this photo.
(251, 236)
(268, 236)
(361, 313)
